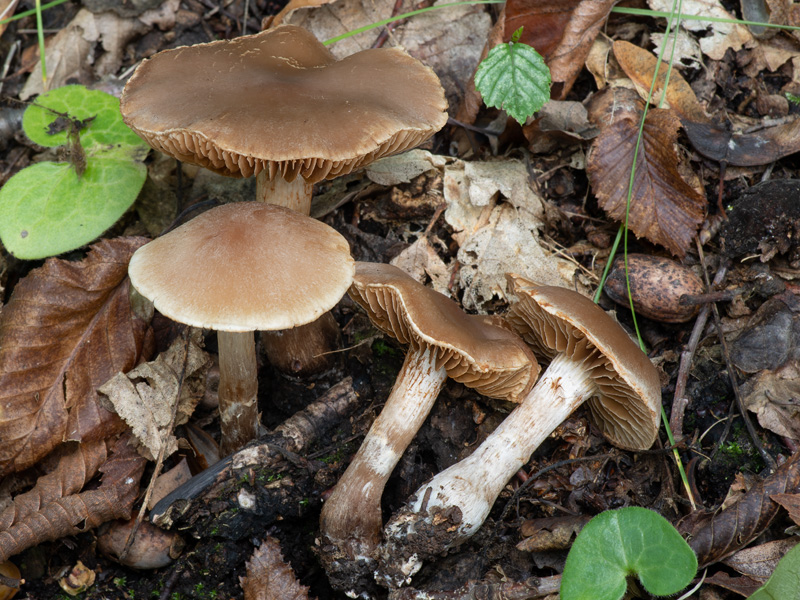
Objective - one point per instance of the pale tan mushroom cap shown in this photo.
(477, 351)
(279, 100)
(555, 320)
(244, 266)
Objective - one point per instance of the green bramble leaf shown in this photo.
(619, 543)
(514, 77)
(52, 207)
(785, 580)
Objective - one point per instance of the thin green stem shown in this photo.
(40, 35)
(645, 12)
(419, 11)
(33, 11)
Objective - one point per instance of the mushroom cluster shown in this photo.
(478, 351)
(279, 106)
(591, 359)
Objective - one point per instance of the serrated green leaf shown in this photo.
(619, 543)
(48, 208)
(514, 77)
(784, 584)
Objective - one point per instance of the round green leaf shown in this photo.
(50, 208)
(784, 584)
(78, 103)
(619, 543)
(514, 77)
(46, 209)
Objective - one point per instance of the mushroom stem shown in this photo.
(454, 504)
(351, 519)
(238, 390)
(295, 194)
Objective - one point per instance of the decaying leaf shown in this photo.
(77, 465)
(665, 209)
(714, 536)
(67, 329)
(718, 142)
(422, 262)
(640, 65)
(551, 533)
(722, 35)
(775, 398)
(497, 236)
(70, 515)
(269, 577)
(562, 32)
(760, 561)
(791, 502)
(145, 396)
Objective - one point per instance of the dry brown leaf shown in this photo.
(665, 209)
(639, 65)
(269, 577)
(561, 31)
(773, 395)
(760, 561)
(714, 536)
(791, 502)
(145, 396)
(744, 149)
(73, 514)
(78, 464)
(67, 329)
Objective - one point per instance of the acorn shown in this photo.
(657, 285)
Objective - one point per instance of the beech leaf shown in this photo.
(67, 329)
(665, 209)
(269, 577)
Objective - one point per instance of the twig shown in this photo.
(680, 401)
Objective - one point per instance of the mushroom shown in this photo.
(238, 268)
(279, 105)
(591, 358)
(478, 351)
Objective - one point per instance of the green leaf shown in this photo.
(50, 208)
(784, 584)
(514, 77)
(619, 543)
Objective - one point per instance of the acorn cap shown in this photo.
(280, 101)
(479, 351)
(244, 266)
(552, 320)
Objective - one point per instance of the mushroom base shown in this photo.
(351, 519)
(454, 504)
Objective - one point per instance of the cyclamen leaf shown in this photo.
(785, 580)
(619, 543)
(50, 208)
(514, 77)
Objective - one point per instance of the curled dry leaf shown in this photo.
(269, 577)
(77, 465)
(720, 143)
(561, 31)
(640, 65)
(714, 536)
(145, 396)
(75, 513)
(665, 209)
(67, 329)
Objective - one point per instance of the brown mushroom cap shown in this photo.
(279, 100)
(478, 351)
(244, 266)
(554, 320)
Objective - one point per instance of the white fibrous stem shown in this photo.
(472, 485)
(238, 390)
(351, 517)
(295, 194)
